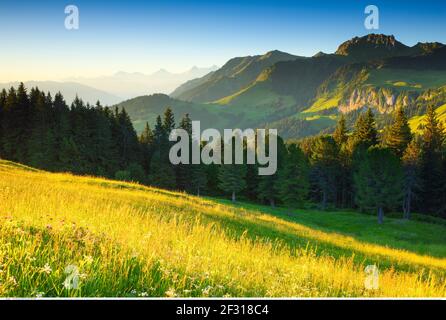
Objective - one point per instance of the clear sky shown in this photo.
(144, 36)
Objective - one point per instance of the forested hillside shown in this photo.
(395, 170)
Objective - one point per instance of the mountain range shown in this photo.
(132, 84)
(302, 96)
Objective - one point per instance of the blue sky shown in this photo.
(144, 36)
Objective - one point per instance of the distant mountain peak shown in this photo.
(275, 54)
(372, 46)
(320, 54)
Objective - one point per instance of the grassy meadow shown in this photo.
(127, 240)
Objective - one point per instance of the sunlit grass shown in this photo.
(129, 240)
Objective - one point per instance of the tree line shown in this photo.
(362, 168)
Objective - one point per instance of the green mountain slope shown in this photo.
(236, 74)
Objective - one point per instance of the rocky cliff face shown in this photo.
(382, 99)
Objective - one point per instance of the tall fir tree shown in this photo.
(183, 171)
(365, 133)
(325, 169)
(231, 179)
(3, 97)
(411, 165)
(378, 181)
(398, 135)
(268, 188)
(431, 166)
(341, 133)
(146, 140)
(293, 182)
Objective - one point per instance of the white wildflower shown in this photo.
(46, 269)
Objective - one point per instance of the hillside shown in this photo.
(124, 239)
(235, 75)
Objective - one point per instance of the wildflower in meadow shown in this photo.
(46, 269)
(171, 293)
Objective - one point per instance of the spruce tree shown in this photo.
(293, 183)
(146, 140)
(341, 133)
(41, 138)
(398, 135)
(378, 181)
(365, 134)
(3, 96)
(168, 121)
(411, 162)
(231, 179)
(184, 172)
(268, 185)
(10, 126)
(325, 168)
(431, 165)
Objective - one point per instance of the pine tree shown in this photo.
(3, 97)
(232, 179)
(41, 139)
(341, 133)
(62, 133)
(168, 121)
(184, 172)
(10, 126)
(325, 168)
(268, 185)
(161, 173)
(378, 181)
(365, 134)
(293, 184)
(398, 135)
(198, 179)
(431, 166)
(411, 162)
(146, 140)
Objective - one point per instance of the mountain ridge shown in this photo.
(305, 95)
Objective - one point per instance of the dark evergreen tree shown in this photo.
(183, 171)
(268, 189)
(3, 97)
(325, 169)
(341, 133)
(431, 166)
(411, 162)
(41, 139)
(293, 182)
(232, 179)
(398, 135)
(365, 133)
(378, 181)
(147, 140)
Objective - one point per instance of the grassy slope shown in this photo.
(416, 121)
(406, 79)
(129, 240)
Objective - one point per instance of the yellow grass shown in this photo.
(129, 240)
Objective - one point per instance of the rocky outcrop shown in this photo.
(382, 99)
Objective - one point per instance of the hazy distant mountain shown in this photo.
(302, 96)
(129, 85)
(69, 90)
